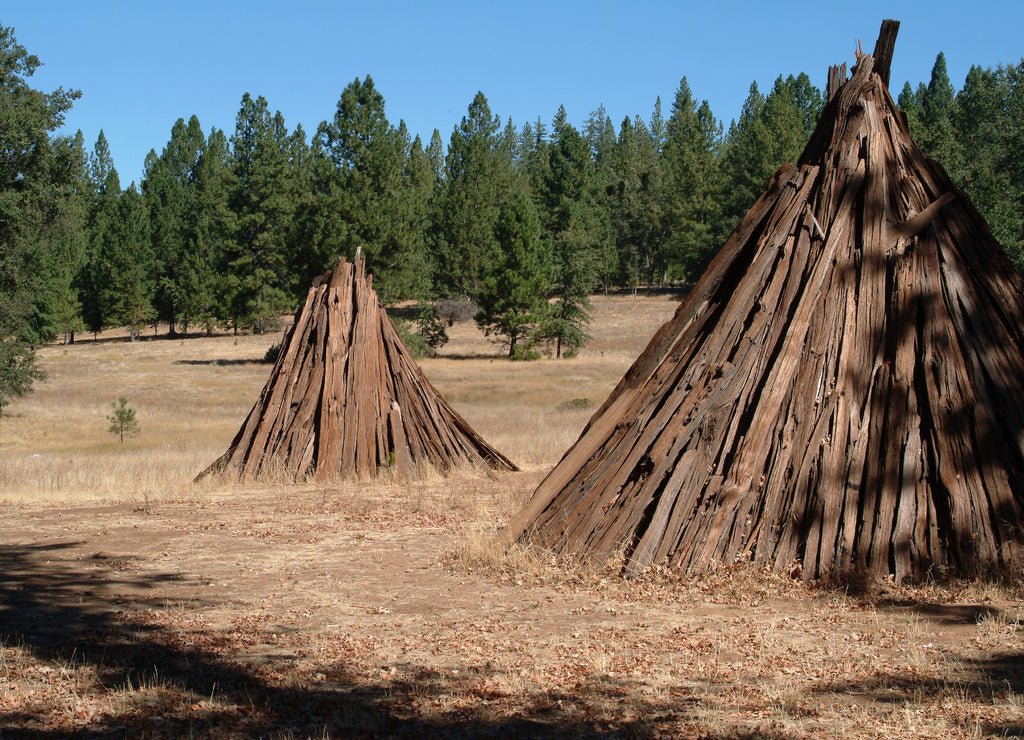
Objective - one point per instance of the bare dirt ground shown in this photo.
(372, 609)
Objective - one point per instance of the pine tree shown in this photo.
(435, 155)
(580, 237)
(533, 157)
(362, 176)
(524, 145)
(71, 246)
(127, 267)
(508, 144)
(657, 127)
(123, 421)
(120, 275)
(512, 298)
(1014, 94)
(692, 186)
(635, 205)
(101, 163)
(39, 176)
(625, 207)
(771, 130)
(986, 119)
(101, 216)
(937, 101)
(810, 101)
(262, 201)
(599, 132)
(169, 190)
(559, 122)
(478, 177)
(214, 225)
(937, 137)
(600, 135)
(419, 185)
(910, 103)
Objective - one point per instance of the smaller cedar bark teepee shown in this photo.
(346, 398)
(842, 389)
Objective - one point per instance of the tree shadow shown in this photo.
(225, 363)
(65, 612)
(944, 614)
(986, 681)
(91, 339)
(496, 356)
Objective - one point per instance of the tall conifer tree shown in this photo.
(937, 136)
(692, 187)
(169, 189)
(200, 279)
(599, 132)
(127, 250)
(362, 177)
(579, 233)
(987, 121)
(771, 130)
(478, 177)
(635, 205)
(513, 288)
(262, 201)
(101, 218)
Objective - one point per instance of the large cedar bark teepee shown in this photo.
(841, 389)
(346, 398)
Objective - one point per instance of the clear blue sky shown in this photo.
(143, 64)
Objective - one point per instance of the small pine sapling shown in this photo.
(123, 420)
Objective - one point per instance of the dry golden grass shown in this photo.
(526, 409)
(191, 396)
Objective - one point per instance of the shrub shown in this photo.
(429, 334)
(431, 326)
(414, 341)
(273, 352)
(450, 310)
(525, 351)
(575, 404)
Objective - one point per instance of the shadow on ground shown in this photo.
(995, 678)
(226, 363)
(155, 668)
(72, 612)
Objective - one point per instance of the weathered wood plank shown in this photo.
(884, 48)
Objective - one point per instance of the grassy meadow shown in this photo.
(191, 395)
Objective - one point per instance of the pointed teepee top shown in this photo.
(841, 390)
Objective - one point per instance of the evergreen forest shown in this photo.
(522, 220)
